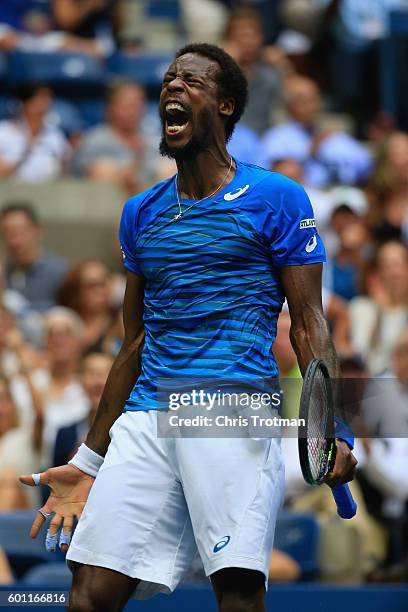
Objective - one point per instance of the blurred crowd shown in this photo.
(314, 114)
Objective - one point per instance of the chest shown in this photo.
(210, 240)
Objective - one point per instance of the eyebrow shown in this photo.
(185, 73)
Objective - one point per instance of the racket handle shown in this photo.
(346, 506)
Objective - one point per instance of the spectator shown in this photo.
(358, 30)
(246, 146)
(95, 21)
(290, 376)
(29, 269)
(37, 26)
(31, 149)
(342, 271)
(17, 358)
(388, 190)
(203, 19)
(6, 575)
(86, 291)
(378, 319)
(18, 451)
(244, 40)
(328, 156)
(64, 401)
(383, 473)
(122, 149)
(94, 371)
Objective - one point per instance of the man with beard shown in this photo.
(210, 255)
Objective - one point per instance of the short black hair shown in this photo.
(231, 81)
(20, 207)
(27, 90)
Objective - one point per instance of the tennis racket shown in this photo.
(317, 444)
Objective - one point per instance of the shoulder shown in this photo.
(99, 133)
(282, 130)
(8, 128)
(277, 189)
(134, 205)
(53, 261)
(158, 190)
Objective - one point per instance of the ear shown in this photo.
(227, 107)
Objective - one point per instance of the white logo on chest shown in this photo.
(233, 195)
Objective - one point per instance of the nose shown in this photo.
(175, 85)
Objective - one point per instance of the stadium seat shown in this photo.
(54, 575)
(3, 67)
(297, 534)
(92, 111)
(147, 69)
(21, 550)
(168, 9)
(61, 70)
(7, 107)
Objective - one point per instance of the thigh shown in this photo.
(234, 489)
(136, 520)
(99, 589)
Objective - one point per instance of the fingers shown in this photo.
(34, 480)
(66, 533)
(39, 521)
(344, 467)
(51, 538)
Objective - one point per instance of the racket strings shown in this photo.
(317, 427)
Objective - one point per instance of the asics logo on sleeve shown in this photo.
(222, 544)
(311, 245)
(233, 195)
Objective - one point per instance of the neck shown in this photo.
(34, 123)
(26, 259)
(62, 372)
(125, 131)
(200, 176)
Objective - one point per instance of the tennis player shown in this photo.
(210, 256)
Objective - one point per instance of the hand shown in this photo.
(69, 491)
(344, 466)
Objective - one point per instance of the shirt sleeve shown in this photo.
(290, 226)
(128, 235)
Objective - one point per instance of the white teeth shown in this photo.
(173, 129)
(174, 106)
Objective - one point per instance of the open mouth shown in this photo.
(177, 118)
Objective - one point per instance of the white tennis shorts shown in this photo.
(156, 500)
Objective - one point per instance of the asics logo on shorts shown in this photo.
(222, 544)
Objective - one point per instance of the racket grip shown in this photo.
(346, 506)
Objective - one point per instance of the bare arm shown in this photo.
(309, 332)
(310, 337)
(68, 14)
(125, 370)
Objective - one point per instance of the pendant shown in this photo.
(177, 217)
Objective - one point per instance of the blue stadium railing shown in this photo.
(80, 74)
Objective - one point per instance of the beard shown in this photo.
(197, 144)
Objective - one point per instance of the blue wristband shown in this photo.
(343, 431)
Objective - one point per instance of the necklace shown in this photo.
(180, 212)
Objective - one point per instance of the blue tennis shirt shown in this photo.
(212, 289)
